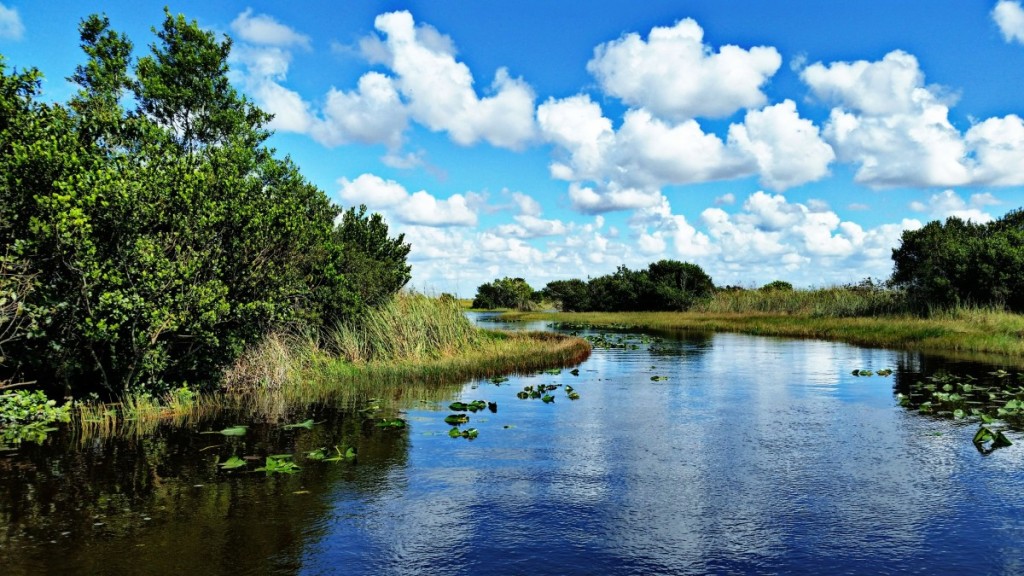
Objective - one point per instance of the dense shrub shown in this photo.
(161, 234)
(777, 286)
(664, 285)
(506, 292)
(960, 263)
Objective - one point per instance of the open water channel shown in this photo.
(682, 455)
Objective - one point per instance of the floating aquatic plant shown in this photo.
(232, 431)
(280, 464)
(456, 419)
(232, 463)
(391, 423)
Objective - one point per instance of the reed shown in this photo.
(834, 301)
(414, 348)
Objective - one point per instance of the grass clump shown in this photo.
(409, 327)
(864, 299)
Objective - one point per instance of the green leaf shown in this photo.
(456, 419)
(232, 431)
(232, 463)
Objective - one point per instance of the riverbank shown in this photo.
(424, 342)
(978, 334)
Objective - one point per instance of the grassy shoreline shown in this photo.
(414, 344)
(968, 333)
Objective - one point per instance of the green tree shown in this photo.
(569, 295)
(506, 292)
(165, 238)
(962, 263)
(777, 286)
(677, 285)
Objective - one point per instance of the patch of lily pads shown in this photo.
(996, 402)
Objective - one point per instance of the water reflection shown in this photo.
(746, 455)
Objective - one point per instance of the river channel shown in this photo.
(686, 454)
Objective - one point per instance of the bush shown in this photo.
(164, 239)
(26, 415)
(665, 285)
(777, 286)
(958, 263)
(507, 292)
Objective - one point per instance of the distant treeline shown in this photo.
(147, 233)
(940, 266)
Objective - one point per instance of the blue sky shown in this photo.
(550, 140)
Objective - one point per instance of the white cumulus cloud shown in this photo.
(675, 75)
(1009, 16)
(897, 129)
(948, 203)
(11, 26)
(439, 90)
(420, 208)
(265, 30)
(626, 168)
(788, 149)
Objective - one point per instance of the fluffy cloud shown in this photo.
(371, 114)
(887, 121)
(625, 169)
(1009, 16)
(528, 223)
(774, 238)
(11, 26)
(948, 203)
(998, 147)
(428, 85)
(675, 75)
(439, 89)
(265, 30)
(788, 149)
(898, 130)
(419, 208)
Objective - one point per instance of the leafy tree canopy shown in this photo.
(160, 233)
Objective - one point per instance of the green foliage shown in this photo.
(569, 295)
(666, 285)
(777, 286)
(27, 415)
(957, 263)
(506, 292)
(164, 239)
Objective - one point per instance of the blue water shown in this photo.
(754, 456)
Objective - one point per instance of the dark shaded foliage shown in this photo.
(664, 285)
(957, 262)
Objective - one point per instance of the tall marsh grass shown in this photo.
(835, 301)
(413, 339)
(410, 327)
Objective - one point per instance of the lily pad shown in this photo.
(391, 423)
(456, 419)
(232, 431)
(232, 463)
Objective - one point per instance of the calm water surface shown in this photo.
(754, 455)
